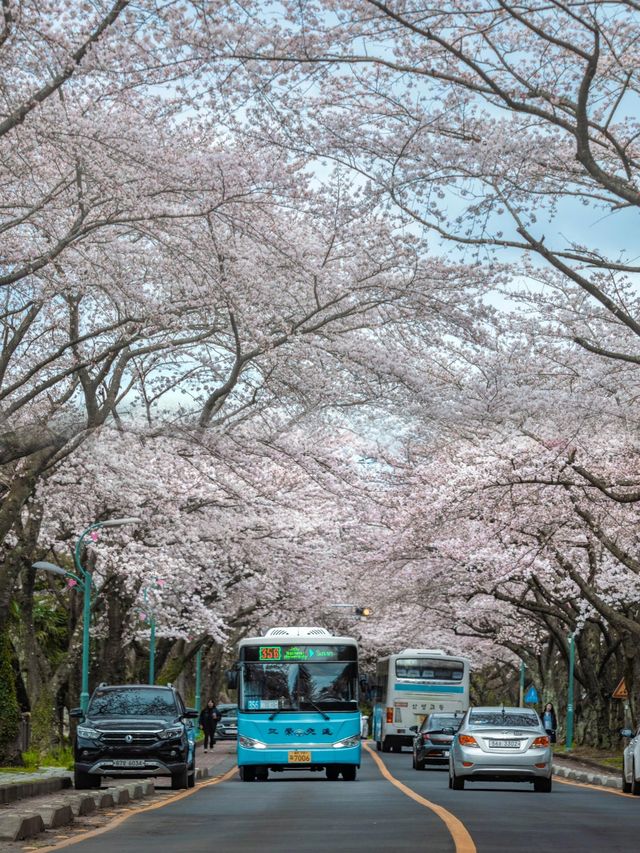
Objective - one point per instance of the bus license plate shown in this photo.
(299, 758)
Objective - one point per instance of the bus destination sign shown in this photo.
(299, 653)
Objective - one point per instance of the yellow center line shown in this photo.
(120, 820)
(458, 831)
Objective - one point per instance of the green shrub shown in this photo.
(9, 708)
(61, 756)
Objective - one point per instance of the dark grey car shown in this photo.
(432, 742)
(227, 728)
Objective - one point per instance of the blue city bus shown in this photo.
(297, 704)
(411, 685)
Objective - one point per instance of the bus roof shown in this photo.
(418, 653)
(294, 634)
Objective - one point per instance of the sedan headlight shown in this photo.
(250, 743)
(354, 740)
(169, 734)
(85, 731)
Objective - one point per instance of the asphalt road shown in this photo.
(304, 813)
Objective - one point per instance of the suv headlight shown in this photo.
(250, 743)
(354, 740)
(169, 734)
(85, 731)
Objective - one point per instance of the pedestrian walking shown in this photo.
(209, 717)
(549, 721)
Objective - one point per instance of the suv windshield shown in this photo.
(133, 702)
(498, 718)
(295, 687)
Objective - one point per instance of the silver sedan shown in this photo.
(631, 763)
(499, 744)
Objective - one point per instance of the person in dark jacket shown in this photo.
(549, 721)
(209, 717)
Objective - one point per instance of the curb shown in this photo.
(16, 826)
(19, 825)
(586, 777)
(13, 791)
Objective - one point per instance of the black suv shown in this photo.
(135, 730)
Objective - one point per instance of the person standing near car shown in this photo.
(209, 717)
(549, 721)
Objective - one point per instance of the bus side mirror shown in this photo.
(626, 733)
(232, 679)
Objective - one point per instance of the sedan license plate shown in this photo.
(299, 758)
(504, 744)
(128, 762)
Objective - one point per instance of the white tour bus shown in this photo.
(410, 686)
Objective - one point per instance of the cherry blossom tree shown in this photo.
(495, 128)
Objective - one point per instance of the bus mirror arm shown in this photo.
(231, 676)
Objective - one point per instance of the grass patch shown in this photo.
(606, 757)
(60, 757)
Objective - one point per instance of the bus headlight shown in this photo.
(354, 740)
(250, 743)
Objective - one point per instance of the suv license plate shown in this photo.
(128, 762)
(504, 744)
(299, 758)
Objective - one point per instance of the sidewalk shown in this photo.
(45, 817)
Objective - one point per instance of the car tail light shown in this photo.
(467, 740)
(541, 741)
(389, 715)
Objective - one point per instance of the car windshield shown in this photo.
(136, 702)
(295, 687)
(432, 724)
(429, 669)
(503, 719)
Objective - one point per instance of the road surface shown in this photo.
(403, 810)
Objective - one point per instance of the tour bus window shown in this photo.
(429, 669)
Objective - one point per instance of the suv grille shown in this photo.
(138, 738)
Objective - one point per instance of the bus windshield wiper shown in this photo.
(275, 713)
(319, 710)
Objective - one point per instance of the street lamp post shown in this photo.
(198, 672)
(150, 614)
(523, 666)
(570, 709)
(152, 649)
(84, 579)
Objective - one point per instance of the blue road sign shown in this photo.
(531, 696)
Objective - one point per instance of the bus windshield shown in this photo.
(299, 686)
(428, 669)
